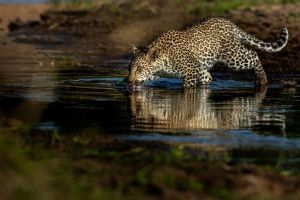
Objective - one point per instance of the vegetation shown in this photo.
(219, 6)
(89, 166)
(78, 4)
(194, 6)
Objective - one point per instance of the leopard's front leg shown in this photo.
(191, 78)
(205, 77)
(189, 83)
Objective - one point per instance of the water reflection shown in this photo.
(27, 83)
(203, 108)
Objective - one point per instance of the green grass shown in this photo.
(75, 4)
(219, 6)
(193, 6)
(71, 1)
(86, 166)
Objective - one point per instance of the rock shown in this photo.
(15, 25)
(18, 23)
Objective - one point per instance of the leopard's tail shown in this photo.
(266, 46)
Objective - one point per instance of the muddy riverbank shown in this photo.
(95, 37)
(9, 13)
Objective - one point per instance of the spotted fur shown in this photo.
(191, 53)
(194, 109)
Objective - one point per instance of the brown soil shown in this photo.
(109, 32)
(10, 12)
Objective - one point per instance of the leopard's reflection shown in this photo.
(169, 111)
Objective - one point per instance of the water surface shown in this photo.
(46, 91)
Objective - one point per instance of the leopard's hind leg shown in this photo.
(239, 57)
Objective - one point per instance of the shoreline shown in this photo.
(106, 33)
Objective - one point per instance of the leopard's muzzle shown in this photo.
(131, 85)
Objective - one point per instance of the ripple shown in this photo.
(230, 139)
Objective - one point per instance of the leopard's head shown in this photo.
(142, 66)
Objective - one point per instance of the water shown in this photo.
(45, 90)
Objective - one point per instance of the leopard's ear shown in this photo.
(151, 55)
(134, 49)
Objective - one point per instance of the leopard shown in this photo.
(203, 109)
(191, 53)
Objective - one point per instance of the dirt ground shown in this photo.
(24, 12)
(109, 32)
